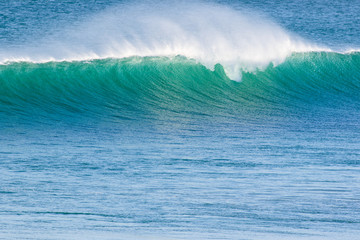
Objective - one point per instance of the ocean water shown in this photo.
(179, 120)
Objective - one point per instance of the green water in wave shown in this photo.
(137, 87)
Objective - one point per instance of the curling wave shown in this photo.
(136, 87)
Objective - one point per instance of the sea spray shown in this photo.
(207, 32)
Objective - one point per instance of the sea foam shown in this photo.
(240, 40)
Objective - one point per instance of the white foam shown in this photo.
(352, 50)
(210, 33)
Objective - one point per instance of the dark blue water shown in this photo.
(170, 148)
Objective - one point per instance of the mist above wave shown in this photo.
(207, 32)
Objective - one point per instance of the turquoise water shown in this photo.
(162, 120)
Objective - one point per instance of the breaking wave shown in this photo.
(138, 87)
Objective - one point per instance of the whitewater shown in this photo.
(179, 120)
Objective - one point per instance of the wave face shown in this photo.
(146, 87)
